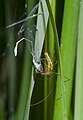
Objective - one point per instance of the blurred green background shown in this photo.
(60, 34)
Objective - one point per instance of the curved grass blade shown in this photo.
(27, 107)
(62, 85)
(48, 82)
(68, 52)
(25, 87)
(78, 113)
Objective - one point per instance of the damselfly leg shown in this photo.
(30, 16)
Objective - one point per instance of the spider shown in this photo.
(49, 67)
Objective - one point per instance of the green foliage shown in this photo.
(58, 32)
(79, 69)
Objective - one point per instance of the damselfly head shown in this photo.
(38, 65)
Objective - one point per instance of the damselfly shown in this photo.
(37, 64)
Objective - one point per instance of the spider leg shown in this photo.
(41, 100)
(62, 75)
